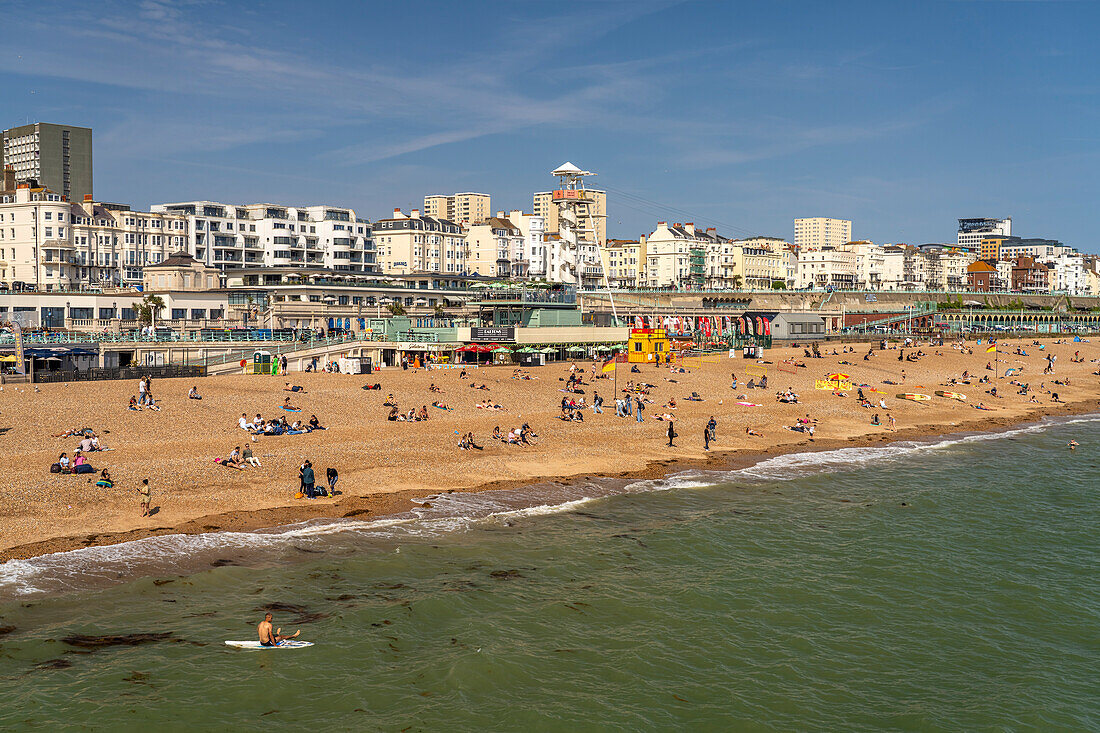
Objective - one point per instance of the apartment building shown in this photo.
(624, 261)
(819, 232)
(496, 248)
(973, 231)
(592, 212)
(538, 253)
(411, 243)
(51, 244)
(463, 208)
(229, 236)
(58, 157)
(1030, 276)
(828, 267)
(757, 262)
(681, 255)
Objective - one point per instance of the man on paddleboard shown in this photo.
(269, 637)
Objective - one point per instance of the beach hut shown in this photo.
(647, 345)
(261, 362)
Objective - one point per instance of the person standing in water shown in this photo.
(269, 637)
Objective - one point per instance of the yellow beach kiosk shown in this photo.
(647, 345)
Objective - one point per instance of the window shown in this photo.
(198, 313)
(179, 314)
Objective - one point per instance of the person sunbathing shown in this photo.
(105, 481)
(288, 406)
(390, 401)
(441, 405)
(435, 389)
(393, 416)
(288, 387)
(134, 404)
(753, 433)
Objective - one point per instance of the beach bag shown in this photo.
(55, 468)
(298, 495)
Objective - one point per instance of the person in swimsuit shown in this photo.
(269, 637)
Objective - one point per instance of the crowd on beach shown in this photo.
(640, 393)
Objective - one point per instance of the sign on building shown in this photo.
(493, 333)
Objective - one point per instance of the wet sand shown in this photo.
(384, 466)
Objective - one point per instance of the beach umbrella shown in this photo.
(575, 349)
(549, 350)
(502, 350)
(603, 347)
(9, 357)
(528, 350)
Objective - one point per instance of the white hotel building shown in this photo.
(229, 236)
(51, 244)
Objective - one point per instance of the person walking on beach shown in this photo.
(597, 403)
(639, 408)
(706, 438)
(891, 423)
(145, 497)
(671, 433)
(712, 426)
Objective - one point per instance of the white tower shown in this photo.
(580, 259)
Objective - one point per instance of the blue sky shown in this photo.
(900, 116)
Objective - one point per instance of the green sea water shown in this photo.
(950, 586)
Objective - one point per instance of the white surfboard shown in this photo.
(286, 644)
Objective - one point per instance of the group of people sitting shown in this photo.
(412, 415)
(522, 436)
(572, 410)
(144, 396)
(78, 464)
(788, 396)
(467, 443)
(278, 425)
(240, 459)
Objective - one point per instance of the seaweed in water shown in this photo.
(97, 642)
(505, 574)
(54, 664)
(222, 562)
(5, 630)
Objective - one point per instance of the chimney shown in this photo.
(87, 198)
(711, 229)
(662, 223)
(690, 228)
(396, 213)
(9, 179)
(415, 213)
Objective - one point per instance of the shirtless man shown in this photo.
(269, 637)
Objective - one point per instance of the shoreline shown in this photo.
(382, 505)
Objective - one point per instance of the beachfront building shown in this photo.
(973, 231)
(49, 244)
(680, 256)
(463, 208)
(57, 157)
(1068, 274)
(790, 266)
(819, 232)
(757, 262)
(537, 251)
(981, 276)
(624, 262)
(827, 267)
(271, 235)
(411, 243)
(496, 248)
(1030, 276)
(869, 263)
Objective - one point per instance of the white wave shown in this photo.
(447, 513)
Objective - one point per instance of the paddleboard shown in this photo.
(913, 396)
(287, 644)
(951, 395)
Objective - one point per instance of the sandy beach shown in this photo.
(385, 465)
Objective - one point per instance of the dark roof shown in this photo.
(176, 259)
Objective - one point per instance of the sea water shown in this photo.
(949, 585)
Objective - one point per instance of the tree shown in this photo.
(779, 285)
(439, 312)
(735, 282)
(396, 308)
(149, 307)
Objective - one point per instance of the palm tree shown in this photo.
(149, 307)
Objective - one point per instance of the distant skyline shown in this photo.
(902, 117)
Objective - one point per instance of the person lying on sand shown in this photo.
(288, 387)
(269, 637)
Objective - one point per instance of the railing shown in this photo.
(134, 372)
